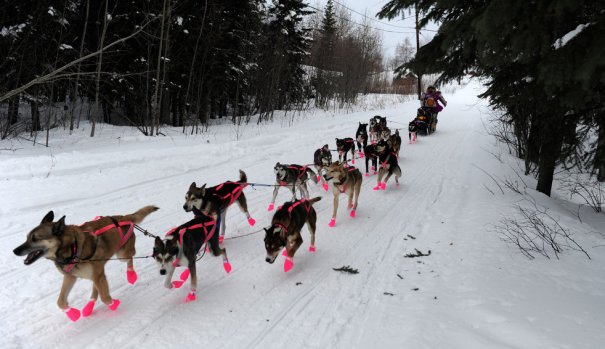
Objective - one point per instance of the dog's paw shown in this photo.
(88, 308)
(271, 206)
(352, 214)
(72, 313)
(332, 222)
(288, 264)
(221, 239)
(115, 303)
(177, 284)
(131, 276)
(227, 266)
(312, 248)
(377, 187)
(190, 297)
(325, 186)
(367, 174)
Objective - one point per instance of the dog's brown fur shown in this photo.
(344, 180)
(56, 241)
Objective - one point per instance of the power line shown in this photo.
(373, 19)
(363, 25)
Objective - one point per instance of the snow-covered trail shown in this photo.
(473, 291)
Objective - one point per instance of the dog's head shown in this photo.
(165, 252)
(382, 146)
(43, 241)
(373, 121)
(326, 155)
(280, 170)
(385, 134)
(362, 128)
(194, 197)
(273, 242)
(341, 144)
(335, 172)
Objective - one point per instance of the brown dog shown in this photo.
(344, 180)
(285, 229)
(82, 251)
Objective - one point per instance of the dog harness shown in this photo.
(346, 141)
(234, 194)
(124, 237)
(384, 163)
(301, 172)
(183, 230)
(344, 188)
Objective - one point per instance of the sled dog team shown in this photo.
(81, 251)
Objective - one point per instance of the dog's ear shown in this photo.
(158, 242)
(203, 189)
(192, 186)
(49, 217)
(59, 226)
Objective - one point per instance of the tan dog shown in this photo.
(344, 180)
(82, 251)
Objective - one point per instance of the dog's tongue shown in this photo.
(31, 257)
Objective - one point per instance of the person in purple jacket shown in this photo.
(430, 100)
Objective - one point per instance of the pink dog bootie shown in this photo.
(332, 222)
(88, 308)
(288, 264)
(184, 276)
(251, 221)
(114, 304)
(325, 186)
(190, 297)
(352, 214)
(72, 313)
(312, 248)
(131, 276)
(227, 266)
(221, 239)
(271, 206)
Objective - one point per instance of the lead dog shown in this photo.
(217, 200)
(388, 165)
(344, 180)
(285, 229)
(82, 251)
(181, 247)
(322, 159)
(292, 176)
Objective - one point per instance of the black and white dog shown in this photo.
(362, 138)
(412, 131)
(321, 159)
(292, 176)
(181, 247)
(345, 145)
(388, 165)
(371, 155)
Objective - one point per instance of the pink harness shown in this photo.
(124, 237)
(182, 231)
(234, 194)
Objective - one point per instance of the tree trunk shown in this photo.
(533, 144)
(13, 110)
(599, 159)
(99, 64)
(35, 115)
(550, 151)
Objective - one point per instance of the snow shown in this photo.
(65, 47)
(562, 41)
(473, 291)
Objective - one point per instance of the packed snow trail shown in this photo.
(473, 291)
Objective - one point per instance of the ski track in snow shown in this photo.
(474, 291)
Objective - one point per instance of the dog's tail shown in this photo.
(242, 177)
(312, 175)
(138, 216)
(314, 200)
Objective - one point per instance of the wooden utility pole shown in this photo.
(419, 76)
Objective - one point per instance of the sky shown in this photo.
(393, 32)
